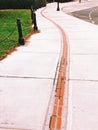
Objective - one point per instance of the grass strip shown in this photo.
(9, 31)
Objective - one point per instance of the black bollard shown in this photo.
(34, 21)
(20, 39)
(58, 8)
(33, 17)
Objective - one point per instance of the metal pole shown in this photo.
(20, 39)
(33, 17)
(58, 8)
(34, 21)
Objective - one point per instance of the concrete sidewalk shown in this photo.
(27, 76)
(27, 79)
(82, 74)
(83, 70)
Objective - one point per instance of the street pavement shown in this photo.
(28, 75)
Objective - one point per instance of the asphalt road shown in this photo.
(89, 15)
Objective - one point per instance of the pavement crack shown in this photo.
(87, 80)
(8, 128)
(26, 77)
(84, 53)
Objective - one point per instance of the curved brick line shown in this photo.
(56, 117)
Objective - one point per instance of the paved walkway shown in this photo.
(27, 79)
(82, 68)
(28, 75)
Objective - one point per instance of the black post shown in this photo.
(34, 21)
(33, 17)
(58, 8)
(20, 39)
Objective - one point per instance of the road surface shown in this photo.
(89, 15)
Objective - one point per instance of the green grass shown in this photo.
(8, 29)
